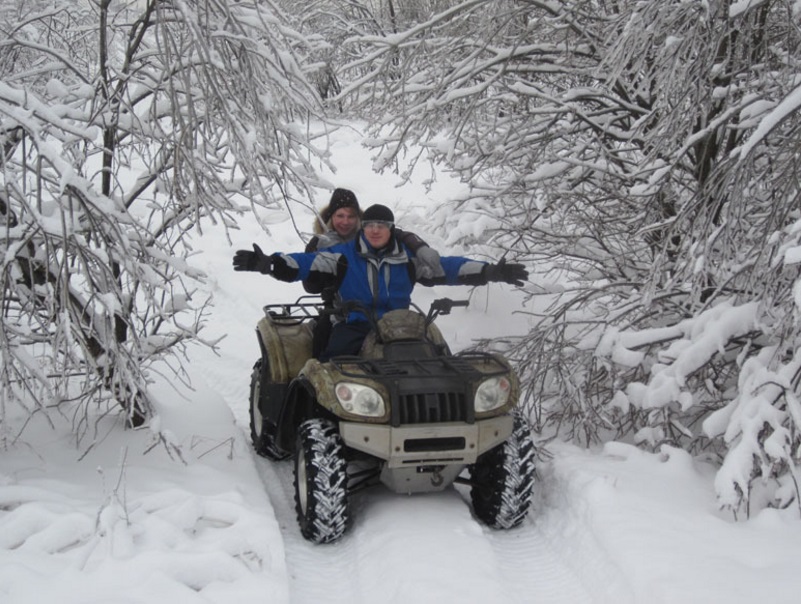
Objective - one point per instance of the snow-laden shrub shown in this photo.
(762, 431)
(710, 384)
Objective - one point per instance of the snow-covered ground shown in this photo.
(120, 517)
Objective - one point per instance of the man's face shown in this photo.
(377, 233)
(345, 222)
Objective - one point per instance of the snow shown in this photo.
(184, 512)
(739, 7)
(790, 104)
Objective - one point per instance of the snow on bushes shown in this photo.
(710, 385)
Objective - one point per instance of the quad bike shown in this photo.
(405, 412)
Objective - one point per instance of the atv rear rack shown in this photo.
(298, 311)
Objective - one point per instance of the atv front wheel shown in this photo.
(321, 482)
(503, 479)
(262, 431)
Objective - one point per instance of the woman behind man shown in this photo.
(339, 222)
(341, 219)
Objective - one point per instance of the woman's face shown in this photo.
(345, 222)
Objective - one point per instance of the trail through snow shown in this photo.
(198, 518)
(422, 548)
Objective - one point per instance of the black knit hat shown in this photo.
(340, 198)
(378, 212)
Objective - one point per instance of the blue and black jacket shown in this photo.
(380, 279)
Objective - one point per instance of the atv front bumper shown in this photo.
(423, 444)
(420, 458)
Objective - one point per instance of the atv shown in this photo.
(405, 412)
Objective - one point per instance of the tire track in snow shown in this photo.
(317, 573)
(424, 548)
(429, 548)
(390, 553)
(535, 570)
(563, 522)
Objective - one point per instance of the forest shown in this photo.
(646, 153)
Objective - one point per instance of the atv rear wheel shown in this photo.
(321, 482)
(262, 431)
(503, 479)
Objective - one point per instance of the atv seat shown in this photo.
(397, 326)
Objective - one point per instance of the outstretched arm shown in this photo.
(256, 261)
(323, 268)
(463, 271)
(512, 273)
(427, 259)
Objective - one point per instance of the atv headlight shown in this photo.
(359, 399)
(492, 393)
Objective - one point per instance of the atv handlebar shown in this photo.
(441, 306)
(444, 305)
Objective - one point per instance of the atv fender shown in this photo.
(286, 345)
(299, 406)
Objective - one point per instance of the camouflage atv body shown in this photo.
(405, 412)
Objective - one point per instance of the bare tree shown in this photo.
(345, 30)
(125, 128)
(644, 153)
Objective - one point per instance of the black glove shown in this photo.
(516, 274)
(256, 261)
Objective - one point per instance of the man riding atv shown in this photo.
(340, 221)
(375, 269)
(386, 401)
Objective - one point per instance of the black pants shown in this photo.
(346, 339)
(321, 333)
